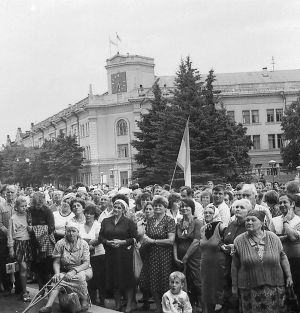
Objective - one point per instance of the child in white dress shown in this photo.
(176, 300)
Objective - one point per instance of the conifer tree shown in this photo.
(290, 124)
(218, 145)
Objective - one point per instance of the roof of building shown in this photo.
(259, 77)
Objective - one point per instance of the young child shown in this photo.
(18, 241)
(176, 300)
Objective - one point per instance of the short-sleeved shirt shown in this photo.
(70, 258)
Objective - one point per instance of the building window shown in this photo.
(272, 142)
(122, 129)
(256, 142)
(270, 116)
(255, 117)
(231, 115)
(279, 141)
(279, 114)
(123, 151)
(246, 117)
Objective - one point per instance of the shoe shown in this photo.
(84, 308)
(26, 297)
(45, 309)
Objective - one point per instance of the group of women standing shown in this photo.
(241, 267)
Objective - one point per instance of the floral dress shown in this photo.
(157, 268)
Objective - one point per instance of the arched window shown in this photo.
(122, 129)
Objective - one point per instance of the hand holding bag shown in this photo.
(292, 301)
(137, 261)
(68, 302)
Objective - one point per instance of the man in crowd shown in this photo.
(218, 201)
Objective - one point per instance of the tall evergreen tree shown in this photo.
(290, 124)
(147, 138)
(218, 145)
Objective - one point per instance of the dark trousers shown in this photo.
(4, 278)
(295, 270)
(98, 280)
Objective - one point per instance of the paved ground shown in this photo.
(13, 304)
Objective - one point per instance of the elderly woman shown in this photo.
(42, 228)
(187, 251)
(212, 261)
(236, 227)
(258, 268)
(249, 192)
(77, 206)
(89, 231)
(118, 234)
(159, 238)
(72, 263)
(287, 228)
(174, 207)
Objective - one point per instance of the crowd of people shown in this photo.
(203, 249)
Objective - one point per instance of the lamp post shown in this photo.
(112, 176)
(272, 164)
(101, 181)
(297, 178)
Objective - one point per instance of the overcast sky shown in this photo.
(51, 50)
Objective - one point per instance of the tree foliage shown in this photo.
(290, 124)
(218, 145)
(57, 161)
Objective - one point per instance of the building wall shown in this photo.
(94, 119)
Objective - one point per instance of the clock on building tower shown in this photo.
(118, 82)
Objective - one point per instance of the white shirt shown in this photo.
(61, 221)
(276, 224)
(91, 235)
(224, 213)
(105, 214)
(198, 210)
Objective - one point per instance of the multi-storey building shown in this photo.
(105, 124)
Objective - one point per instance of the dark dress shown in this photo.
(231, 232)
(185, 234)
(212, 264)
(156, 270)
(118, 261)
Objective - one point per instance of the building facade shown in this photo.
(105, 124)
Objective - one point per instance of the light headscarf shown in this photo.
(71, 224)
(123, 203)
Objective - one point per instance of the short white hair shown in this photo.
(249, 188)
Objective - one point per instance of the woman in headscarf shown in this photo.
(72, 263)
(259, 268)
(118, 234)
(212, 261)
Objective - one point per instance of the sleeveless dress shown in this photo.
(212, 268)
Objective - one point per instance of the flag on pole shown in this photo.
(183, 159)
(117, 37)
(112, 42)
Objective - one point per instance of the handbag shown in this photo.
(292, 301)
(137, 261)
(68, 302)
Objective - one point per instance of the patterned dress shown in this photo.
(158, 267)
